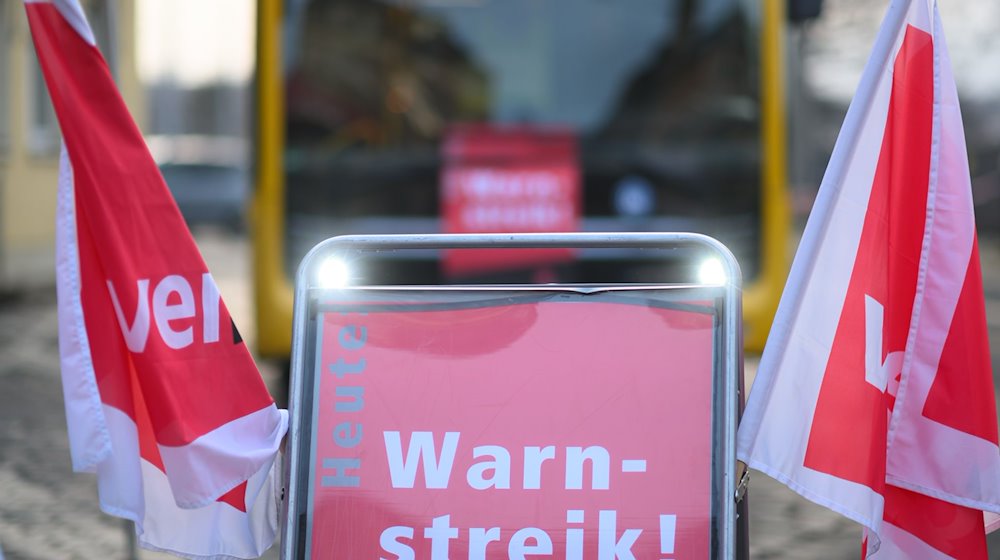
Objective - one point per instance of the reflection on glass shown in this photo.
(661, 97)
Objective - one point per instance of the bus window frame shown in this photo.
(273, 290)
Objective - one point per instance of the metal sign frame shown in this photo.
(359, 248)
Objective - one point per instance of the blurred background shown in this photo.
(186, 69)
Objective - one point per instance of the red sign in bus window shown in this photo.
(553, 425)
(503, 180)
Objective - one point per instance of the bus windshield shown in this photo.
(656, 104)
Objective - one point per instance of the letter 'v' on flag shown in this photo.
(874, 396)
(163, 400)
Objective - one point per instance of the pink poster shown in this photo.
(508, 179)
(525, 430)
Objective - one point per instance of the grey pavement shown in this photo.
(48, 512)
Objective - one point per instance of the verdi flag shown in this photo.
(874, 395)
(163, 400)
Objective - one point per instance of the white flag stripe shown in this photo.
(119, 477)
(897, 544)
(124, 479)
(244, 436)
(854, 501)
(89, 440)
(242, 539)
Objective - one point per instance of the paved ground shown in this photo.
(47, 512)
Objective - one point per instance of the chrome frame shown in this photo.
(356, 245)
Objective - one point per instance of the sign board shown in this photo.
(503, 179)
(510, 422)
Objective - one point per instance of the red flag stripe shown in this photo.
(954, 530)
(956, 398)
(848, 436)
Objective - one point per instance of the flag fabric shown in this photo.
(163, 400)
(874, 396)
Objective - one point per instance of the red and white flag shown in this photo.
(163, 400)
(874, 395)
